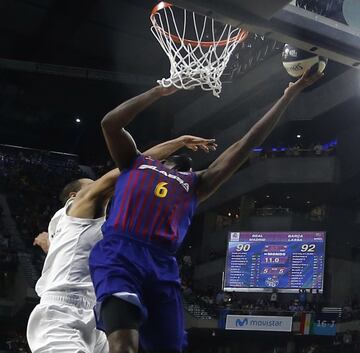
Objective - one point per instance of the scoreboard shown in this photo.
(288, 261)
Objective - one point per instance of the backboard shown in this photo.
(316, 26)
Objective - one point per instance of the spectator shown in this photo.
(187, 260)
(318, 149)
(186, 288)
(274, 298)
(318, 301)
(187, 268)
(347, 311)
(313, 349)
(220, 297)
(309, 297)
(302, 297)
(347, 342)
(336, 344)
(296, 150)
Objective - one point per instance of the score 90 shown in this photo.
(243, 247)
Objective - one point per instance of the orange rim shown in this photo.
(163, 5)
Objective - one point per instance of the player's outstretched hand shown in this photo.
(42, 240)
(166, 91)
(195, 143)
(306, 80)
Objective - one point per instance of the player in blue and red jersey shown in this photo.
(133, 268)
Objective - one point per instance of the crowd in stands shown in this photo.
(101, 169)
(14, 343)
(347, 342)
(31, 180)
(274, 303)
(8, 257)
(296, 150)
(316, 213)
(217, 301)
(310, 301)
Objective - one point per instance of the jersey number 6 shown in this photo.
(160, 190)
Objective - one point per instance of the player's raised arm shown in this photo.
(121, 145)
(230, 160)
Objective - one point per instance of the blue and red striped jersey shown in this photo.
(153, 204)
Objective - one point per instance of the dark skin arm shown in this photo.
(194, 143)
(232, 159)
(121, 145)
(93, 198)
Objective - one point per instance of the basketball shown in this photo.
(297, 61)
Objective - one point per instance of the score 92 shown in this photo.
(243, 247)
(308, 248)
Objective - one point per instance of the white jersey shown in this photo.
(66, 268)
(53, 223)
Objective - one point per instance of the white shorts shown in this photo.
(64, 324)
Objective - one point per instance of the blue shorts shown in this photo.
(144, 276)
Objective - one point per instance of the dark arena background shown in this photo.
(246, 288)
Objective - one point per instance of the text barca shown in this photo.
(171, 176)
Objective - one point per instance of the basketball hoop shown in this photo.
(199, 52)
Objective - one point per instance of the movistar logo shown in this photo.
(258, 323)
(241, 323)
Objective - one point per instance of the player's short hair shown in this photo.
(73, 186)
(182, 162)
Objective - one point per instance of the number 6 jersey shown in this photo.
(152, 204)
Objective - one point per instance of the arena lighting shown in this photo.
(298, 136)
(288, 197)
(229, 214)
(77, 120)
(267, 196)
(308, 202)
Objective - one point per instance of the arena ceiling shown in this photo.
(110, 35)
(110, 38)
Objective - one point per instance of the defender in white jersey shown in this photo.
(64, 319)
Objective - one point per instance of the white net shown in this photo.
(197, 46)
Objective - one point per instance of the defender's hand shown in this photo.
(42, 240)
(194, 143)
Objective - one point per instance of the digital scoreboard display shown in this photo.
(261, 261)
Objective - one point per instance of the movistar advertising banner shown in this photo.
(259, 323)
